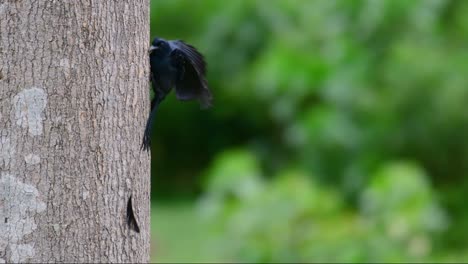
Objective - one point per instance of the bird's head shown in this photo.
(159, 46)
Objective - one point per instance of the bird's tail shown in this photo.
(149, 124)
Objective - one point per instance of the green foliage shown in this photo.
(294, 219)
(348, 114)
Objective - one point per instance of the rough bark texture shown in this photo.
(73, 103)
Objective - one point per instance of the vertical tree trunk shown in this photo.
(73, 103)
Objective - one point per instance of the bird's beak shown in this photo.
(152, 48)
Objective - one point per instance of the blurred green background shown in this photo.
(339, 132)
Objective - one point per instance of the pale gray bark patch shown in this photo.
(20, 206)
(29, 107)
(32, 159)
(85, 195)
(21, 253)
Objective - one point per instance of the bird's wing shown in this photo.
(192, 54)
(191, 67)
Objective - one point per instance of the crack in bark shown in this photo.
(131, 220)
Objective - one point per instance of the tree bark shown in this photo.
(73, 102)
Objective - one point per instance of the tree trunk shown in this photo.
(73, 102)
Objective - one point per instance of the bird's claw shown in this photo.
(145, 145)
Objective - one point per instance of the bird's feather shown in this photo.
(191, 82)
(192, 54)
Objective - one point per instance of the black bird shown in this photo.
(175, 64)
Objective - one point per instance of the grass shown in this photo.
(178, 234)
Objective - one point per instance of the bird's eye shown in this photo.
(159, 44)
